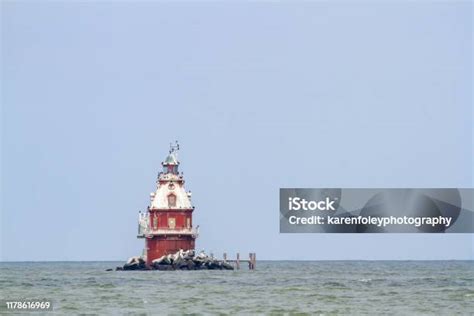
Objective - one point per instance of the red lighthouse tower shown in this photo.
(167, 226)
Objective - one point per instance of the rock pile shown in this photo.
(134, 263)
(181, 260)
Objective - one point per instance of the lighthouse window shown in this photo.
(155, 222)
(170, 169)
(171, 200)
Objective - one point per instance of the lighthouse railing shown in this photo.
(174, 231)
(143, 224)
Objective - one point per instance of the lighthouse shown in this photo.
(167, 225)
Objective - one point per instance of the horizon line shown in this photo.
(309, 260)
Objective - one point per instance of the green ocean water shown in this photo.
(280, 287)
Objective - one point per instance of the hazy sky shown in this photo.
(260, 95)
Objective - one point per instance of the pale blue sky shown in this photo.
(260, 95)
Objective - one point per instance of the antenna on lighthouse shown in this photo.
(174, 148)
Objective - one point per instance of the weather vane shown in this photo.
(175, 147)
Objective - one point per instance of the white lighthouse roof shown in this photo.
(171, 159)
(171, 195)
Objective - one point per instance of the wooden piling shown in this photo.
(252, 260)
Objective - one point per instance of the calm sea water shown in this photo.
(328, 287)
